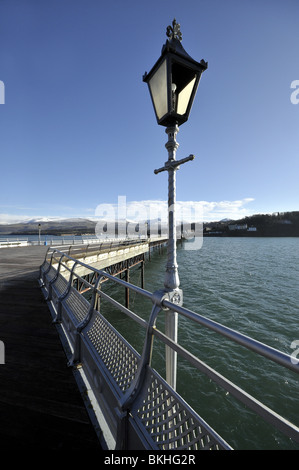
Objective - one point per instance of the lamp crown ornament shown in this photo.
(174, 31)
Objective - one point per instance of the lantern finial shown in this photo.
(174, 31)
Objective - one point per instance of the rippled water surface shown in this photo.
(250, 285)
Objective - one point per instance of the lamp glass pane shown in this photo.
(158, 87)
(184, 97)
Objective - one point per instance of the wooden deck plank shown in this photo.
(40, 403)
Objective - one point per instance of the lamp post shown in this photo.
(39, 230)
(172, 83)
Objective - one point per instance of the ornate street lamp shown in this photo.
(172, 84)
(173, 80)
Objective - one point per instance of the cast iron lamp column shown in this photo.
(171, 281)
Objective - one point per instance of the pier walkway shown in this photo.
(46, 404)
(41, 406)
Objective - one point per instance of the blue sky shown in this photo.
(78, 130)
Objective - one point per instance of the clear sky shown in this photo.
(77, 128)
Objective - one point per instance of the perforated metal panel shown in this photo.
(77, 304)
(60, 285)
(57, 288)
(117, 355)
(44, 267)
(169, 421)
(49, 276)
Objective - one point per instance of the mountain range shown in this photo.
(78, 226)
(50, 226)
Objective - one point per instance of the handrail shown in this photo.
(259, 408)
(239, 338)
(160, 301)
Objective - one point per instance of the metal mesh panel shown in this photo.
(77, 305)
(117, 355)
(60, 285)
(50, 275)
(44, 267)
(170, 422)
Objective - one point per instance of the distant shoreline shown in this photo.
(278, 224)
(249, 235)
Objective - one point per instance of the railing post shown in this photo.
(65, 294)
(142, 271)
(50, 263)
(45, 260)
(54, 278)
(127, 290)
(76, 358)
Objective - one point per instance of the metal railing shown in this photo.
(7, 243)
(141, 409)
(65, 241)
(62, 241)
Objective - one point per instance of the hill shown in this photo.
(279, 224)
(50, 227)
